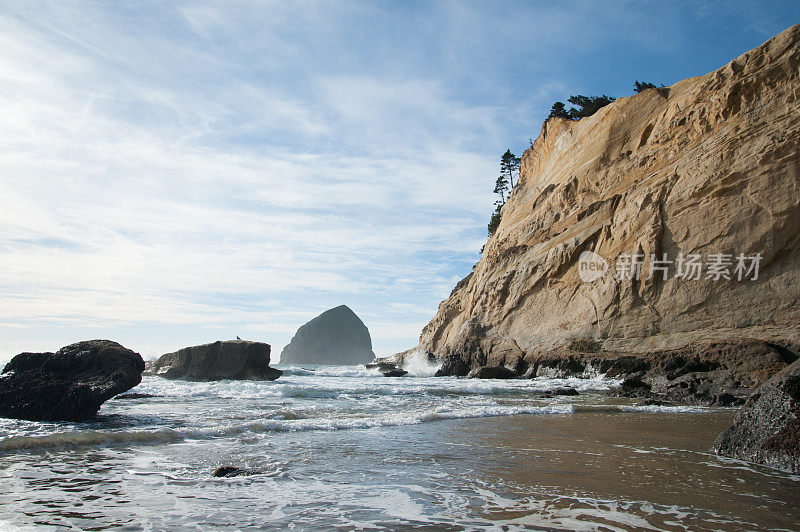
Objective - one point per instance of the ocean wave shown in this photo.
(441, 414)
(289, 423)
(663, 409)
(88, 438)
(297, 385)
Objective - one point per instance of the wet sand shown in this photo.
(628, 470)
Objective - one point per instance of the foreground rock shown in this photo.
(386, 367)
(232, 359)
(232, 471)
(70, 384)
(336, 337)
(641, 177)
(767, 429)
(722, 373)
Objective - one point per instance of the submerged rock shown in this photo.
(232, 359)
(767, 428)
(336, 337)
(492, 372)
(70, 384)
(232, 471)
(386, 367)
(566, 390)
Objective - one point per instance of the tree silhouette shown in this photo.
(494, 221)
(500, 188)
(509, 165)
(587, 105)
(639, 86)
(558, 110)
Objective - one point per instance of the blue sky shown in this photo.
(173, 173)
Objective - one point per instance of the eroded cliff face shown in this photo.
(708, 165)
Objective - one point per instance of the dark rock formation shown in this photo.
(453, 365)
(767, 429)
(232, 471)
(382, 364)
(386, 367)
(233, 359)
(70, 384)
(566, 390)
(492, 372)
(337, 336)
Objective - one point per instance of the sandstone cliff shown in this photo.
(708, 165)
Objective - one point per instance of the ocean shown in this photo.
(344, 448)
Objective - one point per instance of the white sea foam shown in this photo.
(417, 364)
(88, 438)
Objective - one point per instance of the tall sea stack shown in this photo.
(336, 337)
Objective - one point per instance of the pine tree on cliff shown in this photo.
(558, 110)
(500, 188)
(587, 105)
(582, 106)
(509, 165)
(494, 221)
(639, 86)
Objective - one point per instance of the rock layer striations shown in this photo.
(707, 166)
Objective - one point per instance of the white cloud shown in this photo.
(127, 201)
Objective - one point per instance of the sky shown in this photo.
(175, 173)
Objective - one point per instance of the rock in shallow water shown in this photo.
(337, 337)
(234, 359)
(767, 429)
(492, 372)
(232, 471)
(70, 384)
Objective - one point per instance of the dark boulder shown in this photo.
(233, 359)
(394, 372)
(566, 390)
(381, 364)
(70, 384)
(633, 387)
(232, 471)
(656, 402)
(454, 365)
(336, 337)
(492, 372)
(767, 428)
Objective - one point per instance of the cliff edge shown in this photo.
(708, 167)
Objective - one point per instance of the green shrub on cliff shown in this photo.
(494, 221)
(639, 86)
(582, 106)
